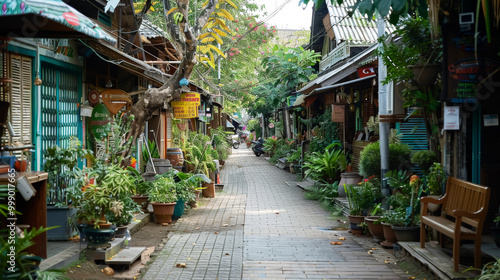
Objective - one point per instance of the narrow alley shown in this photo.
(260, 228)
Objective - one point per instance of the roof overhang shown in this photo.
(338, 73)
(48, 19)
(129, 63)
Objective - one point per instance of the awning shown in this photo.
(322, 89)
(338, 73)
(228, 124)
(310, 100)
(47, 19)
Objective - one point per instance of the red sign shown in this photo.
(366, 71)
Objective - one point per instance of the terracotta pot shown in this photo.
(390, 236)
(142, 201)
(163, 212)
(174, 155)
(209, 189)
(222, 162)
(376, 230)
(425, 75)
(348, 178)
(355, 224)
(407, 234)
(21, 165)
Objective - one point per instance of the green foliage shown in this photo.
(361, 198)
(327, 164)
(399, 158)
(222, 145)
(112, 189)
(295, 155)
(435, 179)
(59, 164)
(153, 149)
(254, 125)
(141, 186)
(271, 144)
(163, 191)
(314, 193)
(22, 265)
(424, 159)
(490, 270)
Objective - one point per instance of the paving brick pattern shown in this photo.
(260, 228)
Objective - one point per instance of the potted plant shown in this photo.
(369, 164)
(434, 180)
(163, 197)
(374, 226)
(294, 159)
(187, 185)
(60, 165)
(361, 199)
(201, 158)
(326, 165)
(424, 159)
(142, 185)
(249, 140)
(405, 202)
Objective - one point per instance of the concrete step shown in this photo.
(126, 257)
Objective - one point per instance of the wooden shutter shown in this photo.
(20, 109)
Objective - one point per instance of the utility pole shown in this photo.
(382, 110)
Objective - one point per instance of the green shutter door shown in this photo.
(60, 92)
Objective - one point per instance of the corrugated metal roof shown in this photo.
(356, 29)
(149, 30)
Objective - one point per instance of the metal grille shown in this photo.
(59, 107)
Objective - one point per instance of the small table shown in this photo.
(34, 211)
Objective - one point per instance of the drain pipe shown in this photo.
(383, 126)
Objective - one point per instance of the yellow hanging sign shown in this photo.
(186, 112)
(187, 99)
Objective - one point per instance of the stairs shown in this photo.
(126, 257)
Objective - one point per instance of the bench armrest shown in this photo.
(470, 215)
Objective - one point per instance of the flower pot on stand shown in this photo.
(377, 230)
(407, 234)
(163, 212)
(355, 224)
(389, 235)
(98, 237)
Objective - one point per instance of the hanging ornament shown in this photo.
(183, 82)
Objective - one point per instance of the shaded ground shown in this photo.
(151, 235)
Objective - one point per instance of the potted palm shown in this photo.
(142, 185)
(201, 157)
(187, 184)
(163, 197)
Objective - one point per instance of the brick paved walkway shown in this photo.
(261, 228)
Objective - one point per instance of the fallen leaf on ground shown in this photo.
(374, 248)
(413, 277)
(224, 225)
(386, 261)
(216, 232)
(181, 265)
(277, 212)
(341, 238)
(197, 228)
(336, 243)
(227, 254)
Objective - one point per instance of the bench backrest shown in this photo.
(463, 195)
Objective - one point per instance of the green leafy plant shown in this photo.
(435, 179)
(141, 186)
(326, 165)
(424, 159)
(369, 164)
(59, 164)
(490, 271)
(163, 191)
(295, 156)
(361, 198)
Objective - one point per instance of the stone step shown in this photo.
(126, 257)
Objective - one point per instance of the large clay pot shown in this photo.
(376, 230)
(355, 224)
(209, 189)
(407, 234)
(425, 75)
(162, 165)
(348, 178)
(142, 201)
(389, 235)
(163, 212)
(21, 165)
(175, 156)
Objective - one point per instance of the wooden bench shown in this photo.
(463, 203)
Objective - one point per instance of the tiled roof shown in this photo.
(356, 29)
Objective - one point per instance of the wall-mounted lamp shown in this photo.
(37, 81)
